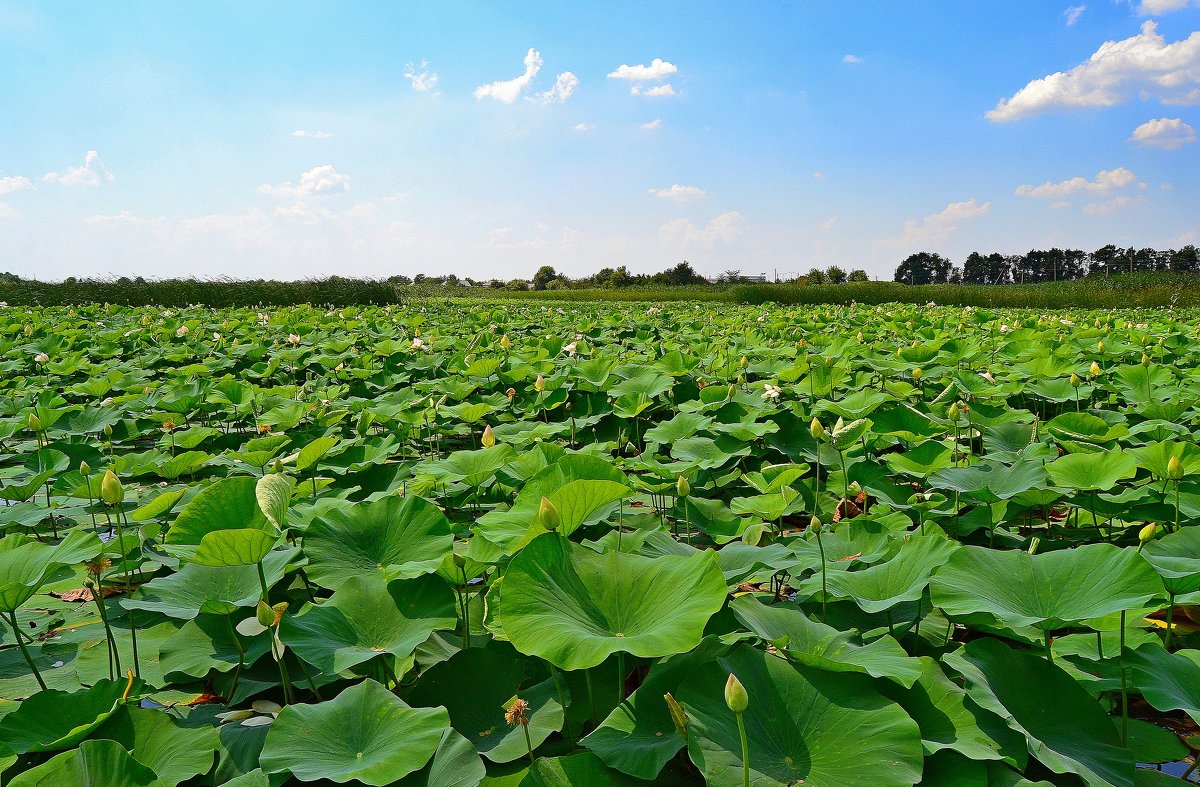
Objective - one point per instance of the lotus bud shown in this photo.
(817, 430)
(1094, 369)
(1100, 346)
(1146, 534)
(1075, 381)
(814, 523)
(539, 384)
(677, 715)
(505, 342)
(85, 469)
(264, 614)
(108, 430)
(111, 491)
(744, 362)
(729, 392)
(917, 373)
(735, 695)
(1175, 469)
(488, 439)
(35, 423)
(458, 560)
(682, 487)
(953, 412)
(548, 515)
(860, 337)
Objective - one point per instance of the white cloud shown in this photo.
(14, 183)
(1073, 13)
(316, 182)
(725, 228)
(935, 228)
(1156, 7)
(818, 175)
(658, 69)
(302, 134)
(1106, 181)
(92, 173)
(1145, 66)
(508, 91)
(658, 90)
(584, 126)
(422, 80)
(679, 193)
(1164, 133)
(1111, 206)
(852, 59)
(125, 218)
(653, 124)
(564, 86)
(826, 227)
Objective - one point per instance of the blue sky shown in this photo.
(483, 139)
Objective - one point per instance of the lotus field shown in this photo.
(448, 544)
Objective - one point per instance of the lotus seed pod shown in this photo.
(35, 423)
(735, 695)
(677, 715)
(1075, 381)
(548, 515)
(953, 412)
(1175, 469)
(816, 430)
(488, 439)
(1147, 533)
(539, 384)
(1094, 369)
(111, 490)
(917, 373)
(682, 487)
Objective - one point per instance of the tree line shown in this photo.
(1039, 266)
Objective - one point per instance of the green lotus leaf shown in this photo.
(454, 764)
(207, 643)
(238, 547)
(216, 590)
(901, 578)
(1093, 471)
(1176, 558)
(1168, 681)
(392, 538)
(53, 720)
(228, 504)
(274, 495)
(803, 724)
(26, 564)
(97, 762)
(574, 607)
(1047, 591)
(175, 753)
(1071, 734)
(991, 481)
(365, 735)
(574, 770)
(367, 617)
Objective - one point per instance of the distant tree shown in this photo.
(419, 278)
(924, 268)
(1185, 260)
(544, 276)
(732, 277)
(558, 283)
(516, 284)
(682, 274)
(990, 269)
(835, 275)
(816, 276)
(399, 279)
(1103, 259)
(858, 274)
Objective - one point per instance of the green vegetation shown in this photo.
(467, 543)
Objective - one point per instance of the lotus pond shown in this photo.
(508, 543)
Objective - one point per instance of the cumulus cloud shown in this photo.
(509, 90)
(302, 134)
(1164, 133)
(1157, 7)
(1144, 65)
(658, 90)
(564, 86)
(1073, 13)
(1106, 180)
(1113, 205)
(318, 181)
(658, 69)
(584, 126)
(421, 77)
(725, 228)
(653, 124)
(679, 193)
(14, 183)
(92, 173)
(937, 227)
(852, 59)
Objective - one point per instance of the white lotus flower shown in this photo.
(182, 331)
(293, 339)
(770, 392)
(41, 358)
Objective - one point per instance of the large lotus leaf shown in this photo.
(575, 607)
(94, 763)
(1064, 727)
(454, 764)
(814, 644)
(1048, 591)
(477, 706)
(173, 752)
(310, 454)
(238, 547)
(639, 737)
(1084, 427)
(1098, 471)
(901, 578)
(1156, 456)
(991, 480)
(274, 494)
(228, 504)
(582, 488)
(803, 724)
(950, 720)
(1168, 681)
(206, 643)
(217, 590)
(367, 617)
(365, 735)
(25, 564)
(1176, 558)
(391, 538)
(574, 770)
(54, 720)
